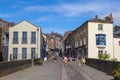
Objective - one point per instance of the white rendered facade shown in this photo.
(116, 49)
(93, 30)
(24, 47)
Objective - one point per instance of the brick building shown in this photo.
(4, 37)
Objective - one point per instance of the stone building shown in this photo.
(65, 43)
(54, 41)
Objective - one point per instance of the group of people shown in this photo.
(81, 59)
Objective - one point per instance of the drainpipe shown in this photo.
(37, 41)
(113, 48)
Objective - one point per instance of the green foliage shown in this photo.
(116, 72)
(100, 55)
(40, 61)
(103, 56)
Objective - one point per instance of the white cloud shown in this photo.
(78, 9)
(4, 16)
(72, 10)
(38, 8)
(45, 19)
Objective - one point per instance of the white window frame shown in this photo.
(100, 27)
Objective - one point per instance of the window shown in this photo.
(80, 42)
(33, 37)
(100, 51)
(15, 53)
(33, 51)
(15, 37)
(24, 53)
(24, 37)
(75, 44)
(100, 39)
(1, 24)
(84, 41)
(100, 26)
(84, 30)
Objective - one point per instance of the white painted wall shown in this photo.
(117, 48)
(92, 31)
(28, 27)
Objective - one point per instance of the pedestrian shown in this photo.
(45, 59)
(79, 60)
(83, 60)
(55, 57)
(65, 60)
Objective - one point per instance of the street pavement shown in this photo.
(90, 72)
(49, 71)
(52, 70)
(73, 74)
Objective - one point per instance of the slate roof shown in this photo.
(96, 19)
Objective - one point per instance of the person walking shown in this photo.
(65, 60)
(79, 59)
(83, 60)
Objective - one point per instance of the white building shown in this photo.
(100, 32)
(100, 37)
(24, 41)
(93, 37)
(116, 49)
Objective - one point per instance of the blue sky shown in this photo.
(58, 15)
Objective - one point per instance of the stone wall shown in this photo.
(103, 65)
(13, 66)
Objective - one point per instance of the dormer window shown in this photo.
(100, 27)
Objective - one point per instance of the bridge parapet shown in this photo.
(13, 66)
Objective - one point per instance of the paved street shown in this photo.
(49, 71)
(92, 74)
(73, 74)
(52, 70)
